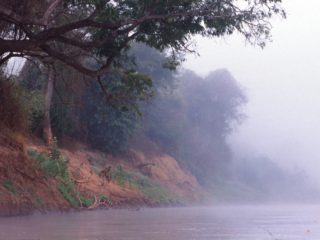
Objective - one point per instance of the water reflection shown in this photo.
(223, 223)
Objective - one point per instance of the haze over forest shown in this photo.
(282, 83)
(185, 119)
(104, 109)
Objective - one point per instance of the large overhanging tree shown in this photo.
(74, 31)
(69, 30)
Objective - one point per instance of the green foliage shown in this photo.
(67, 188)
(7, 183)
(63, 116)
(151, 189)
(35, 198)
(55, 165)
(12, 108)
(68, 192)
(121, 177)
(175, 31)
(49, 167)
(86, 202)
(112, 114)
(109, 115)
(39, 202)
(34, 155)
(155, 192)
(160, 24)
(33, 81)
(35, 101)
(155, 64)
(63, 119)
(105, 198)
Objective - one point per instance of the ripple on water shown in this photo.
(216, 223)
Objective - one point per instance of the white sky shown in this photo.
(282, 82)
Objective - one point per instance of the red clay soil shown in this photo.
(24, 188)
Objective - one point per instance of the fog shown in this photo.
(282, 83)
(191, 111)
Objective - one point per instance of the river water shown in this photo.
(198, 223)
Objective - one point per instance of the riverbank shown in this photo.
(34, 177)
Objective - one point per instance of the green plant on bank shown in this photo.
(151, 190)
(12, 108)
(7, 183)
(154, 191)
(105, 198)
(55, 165)
(68, 191)
(122, 177)
(86, 202)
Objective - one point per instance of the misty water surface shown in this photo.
(236, 223)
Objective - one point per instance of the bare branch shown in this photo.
(52, 6)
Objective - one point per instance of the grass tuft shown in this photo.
(9, 186)
(151, 189)
(55, 165)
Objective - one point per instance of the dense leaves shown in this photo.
(67, 30)
(112, 119)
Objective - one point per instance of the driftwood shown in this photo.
(98, 203)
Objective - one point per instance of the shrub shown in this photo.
(121, 177)
(9, 186)
(106, 199)
(12, 111)
(151, 189)
(55, 165)
(86, 202)
(69, 193)
(154, 191)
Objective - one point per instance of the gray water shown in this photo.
(214, 223)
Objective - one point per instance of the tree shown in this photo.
(192, 123)
(81, 109)
(105, 28)
(75, 32)
(47, 107)
(111, 122)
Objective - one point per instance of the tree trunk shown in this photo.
(48, 98)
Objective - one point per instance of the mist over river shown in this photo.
(197, 223)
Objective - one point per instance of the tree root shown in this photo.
(98, 203)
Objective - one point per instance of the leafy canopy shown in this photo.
(68, 30)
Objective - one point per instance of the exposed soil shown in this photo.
(25, 188)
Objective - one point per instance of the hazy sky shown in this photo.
(282, 83)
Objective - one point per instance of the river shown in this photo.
(197, 223)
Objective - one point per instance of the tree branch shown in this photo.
(52, 6)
